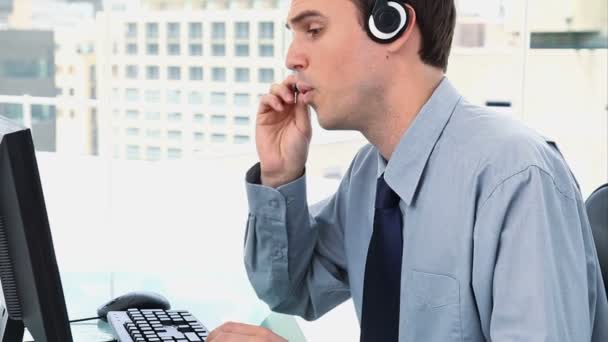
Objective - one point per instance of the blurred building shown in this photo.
(6, 8)
(177, 84)
(77, 113)
(27, 67)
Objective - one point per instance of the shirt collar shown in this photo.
(404, 170)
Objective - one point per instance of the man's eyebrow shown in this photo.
(304, 15)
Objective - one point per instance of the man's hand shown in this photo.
(239, 332)
(282, 134)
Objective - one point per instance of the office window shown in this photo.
(152, 96)
(195, 98)
(266, 30)
(151, 30)
(152, 49)
(174, 135)
(174, 117)
(199, 118)
(174, 73)
(174, 96)
(131, 72)
(196, 73)
(241, 75)
(152, 116)
(132, 131)
(173, 49)
(241, 139)
(241, 30)
(173, 30)
(218, 50)
(195, 30)
(132, 95)
(131, 49)
(218, 119)
(131, 30)
(132, 114)
(218, 137)
(242, 120)
(218, 74)
(174, 153)
(218, 98)
(241, 99)
(28, 68)
(153, 133)
(153, 153)
(152, 72)
(196, 49)
(199, 136)
(266, 50)
(218, 30)
(132, 152)
(265, 75)
(241, 50)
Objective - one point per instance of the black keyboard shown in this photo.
(155, 325)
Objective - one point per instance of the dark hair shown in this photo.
(436, 20)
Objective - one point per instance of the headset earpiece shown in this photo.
(387, 21)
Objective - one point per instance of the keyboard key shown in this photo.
(192, 337)
(184, 328)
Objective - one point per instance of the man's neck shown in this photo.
(402, 103)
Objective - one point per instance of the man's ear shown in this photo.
(411, 23)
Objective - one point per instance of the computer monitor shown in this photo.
(31, 286)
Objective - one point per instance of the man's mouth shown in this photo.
(304, 91)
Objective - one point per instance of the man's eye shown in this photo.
(313, 32)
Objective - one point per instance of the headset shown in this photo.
(388, 21)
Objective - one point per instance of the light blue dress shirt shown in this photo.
(497, 244)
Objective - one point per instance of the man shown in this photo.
(453, 224)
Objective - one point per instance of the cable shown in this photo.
(85, 319)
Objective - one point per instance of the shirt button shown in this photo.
(273, 203)
(278, 254)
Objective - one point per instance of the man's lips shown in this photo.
(306, 96)
(303, 88)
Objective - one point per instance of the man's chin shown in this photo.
(330, 125)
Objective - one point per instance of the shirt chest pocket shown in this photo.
(432, 308)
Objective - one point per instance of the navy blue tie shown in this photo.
(382, 282)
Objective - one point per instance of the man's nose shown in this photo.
(296, 60)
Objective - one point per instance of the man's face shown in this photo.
(333, 55)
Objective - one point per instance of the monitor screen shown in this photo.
(31, 285)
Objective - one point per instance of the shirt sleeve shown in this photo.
(294, 254)
(536, 275)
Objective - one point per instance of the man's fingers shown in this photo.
(235, 328)
(283, 91)
(232, 337)
(270, 101)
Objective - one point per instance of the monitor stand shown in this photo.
(10, 330)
